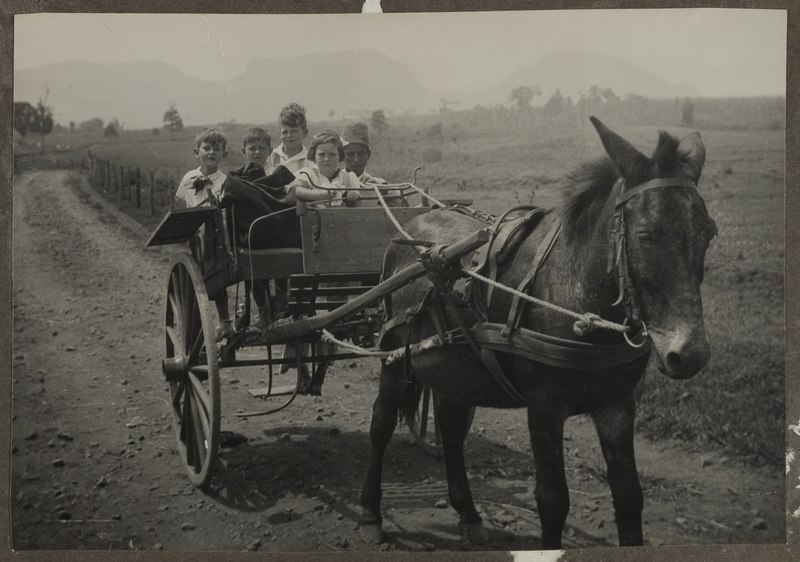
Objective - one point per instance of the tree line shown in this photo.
(38, 118)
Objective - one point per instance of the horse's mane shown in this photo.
(588, 187)
(586, 190)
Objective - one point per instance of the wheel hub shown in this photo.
(175, 368)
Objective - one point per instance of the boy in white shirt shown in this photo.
(293, 129)
(194, 190)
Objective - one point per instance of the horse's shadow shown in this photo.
(326, 467)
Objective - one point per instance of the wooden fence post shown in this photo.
(152, 187)
(138, 188)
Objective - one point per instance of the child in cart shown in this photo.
(323, 180)
(357, 152)
(195, 189)
(293, 130)
(257, 148)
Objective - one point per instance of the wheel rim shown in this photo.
(191, 370)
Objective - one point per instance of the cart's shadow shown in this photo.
(323, 469)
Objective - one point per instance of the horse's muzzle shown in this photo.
(681, 355)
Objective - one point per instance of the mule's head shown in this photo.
(667, 232)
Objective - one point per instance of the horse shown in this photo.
(630, 241)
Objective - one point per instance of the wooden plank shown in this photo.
(342, 240)
(366, 278)
(307, 292)
(320, 305)
(275, 263)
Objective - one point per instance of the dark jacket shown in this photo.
(252, 194)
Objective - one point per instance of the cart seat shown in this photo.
(275, 263)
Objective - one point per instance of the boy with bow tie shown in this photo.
(194, 190)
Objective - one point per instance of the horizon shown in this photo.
(713, 50)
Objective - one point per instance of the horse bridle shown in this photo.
(617, 250)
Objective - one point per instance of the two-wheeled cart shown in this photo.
(333, 284)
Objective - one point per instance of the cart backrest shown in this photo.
(349, 240)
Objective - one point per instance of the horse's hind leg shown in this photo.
(454, 422)
(385, 409)
(615, 429)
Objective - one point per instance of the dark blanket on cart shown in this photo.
(252, 194)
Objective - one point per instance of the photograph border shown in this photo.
(792, 265)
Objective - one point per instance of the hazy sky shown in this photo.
(719, 51)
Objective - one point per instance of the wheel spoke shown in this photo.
(194, 326)
(200, 371)
(178, 394)
(194, 353)
(200, 392)
(185, 301)
(198, 433)
(186, 430)
(177, 291)
(174, 306)
(174, 338)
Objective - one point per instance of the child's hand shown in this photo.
(351, 195)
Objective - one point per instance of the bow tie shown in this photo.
(200, 182)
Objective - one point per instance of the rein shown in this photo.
(487, 338)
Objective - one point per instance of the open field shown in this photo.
(736, 404)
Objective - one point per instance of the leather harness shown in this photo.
(487, 338)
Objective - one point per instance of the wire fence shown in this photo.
(149, 190)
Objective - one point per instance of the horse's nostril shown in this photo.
(674, 361)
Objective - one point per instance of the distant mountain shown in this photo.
(573, 72)
(139, 93)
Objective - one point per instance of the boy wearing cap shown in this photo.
(355, 139)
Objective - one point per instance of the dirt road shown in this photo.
(95, 463)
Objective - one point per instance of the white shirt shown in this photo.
(193, 197)
(310, 177)
(294, 163)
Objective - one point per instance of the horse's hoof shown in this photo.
(474, 533)
(371, 533)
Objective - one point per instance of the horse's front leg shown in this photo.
(385, 409)
(546, 426)
(453, 420)
(614, 425)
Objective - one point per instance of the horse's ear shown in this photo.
(630, 163)
(692, 153)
